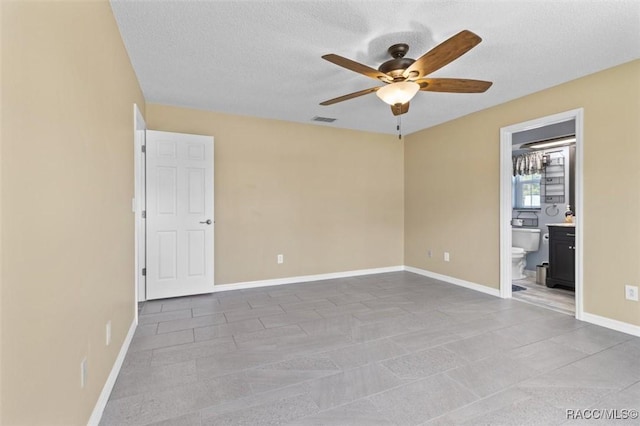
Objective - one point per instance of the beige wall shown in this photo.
(330, 200)
(67, 180)
(452, 188)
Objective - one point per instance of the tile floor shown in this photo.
(558, 299)
(388, 349)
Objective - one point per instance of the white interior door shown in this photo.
(179, 214)
(139, 205)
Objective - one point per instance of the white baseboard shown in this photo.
(96, 415)
(623, 327)
(462, 283)
(304, 278)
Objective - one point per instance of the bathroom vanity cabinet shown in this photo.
(562, 256)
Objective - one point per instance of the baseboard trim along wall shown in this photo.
(616, 325)
(304, 278)
(462, 283)
(319, 277)
(96, 415)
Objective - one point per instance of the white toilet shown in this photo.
(523, 241)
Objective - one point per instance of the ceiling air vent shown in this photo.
(323, 119)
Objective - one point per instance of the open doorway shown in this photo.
(538, 216)
(542, 227)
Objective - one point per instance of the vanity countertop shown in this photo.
(565, 224)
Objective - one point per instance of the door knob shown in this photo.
(208, 222)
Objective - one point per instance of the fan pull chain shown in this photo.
(399, 127)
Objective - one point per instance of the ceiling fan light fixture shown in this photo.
(404, 77)
(398, 93)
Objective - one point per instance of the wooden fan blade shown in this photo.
(399, 109)
(350, 96)
(442, 54)
(357, 67)
(453, 85)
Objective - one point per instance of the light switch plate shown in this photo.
(631, 292)
(83, 373)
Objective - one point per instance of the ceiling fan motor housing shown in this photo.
(396, 66)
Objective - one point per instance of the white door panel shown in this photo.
(179, 204)
(140, 206)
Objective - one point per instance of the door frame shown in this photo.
(138, 206)
(506, 168)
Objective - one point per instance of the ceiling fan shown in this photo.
(404, 77)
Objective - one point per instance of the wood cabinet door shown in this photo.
(562, 260)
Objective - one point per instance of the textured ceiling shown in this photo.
(263, 58)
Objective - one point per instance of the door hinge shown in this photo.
(144, 272)
(144, 148)
(144, 214)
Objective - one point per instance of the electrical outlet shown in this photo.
(429, 253)
(108, 333)
(631, 292)
(446, 256)
(83, 373)
(280, 258)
